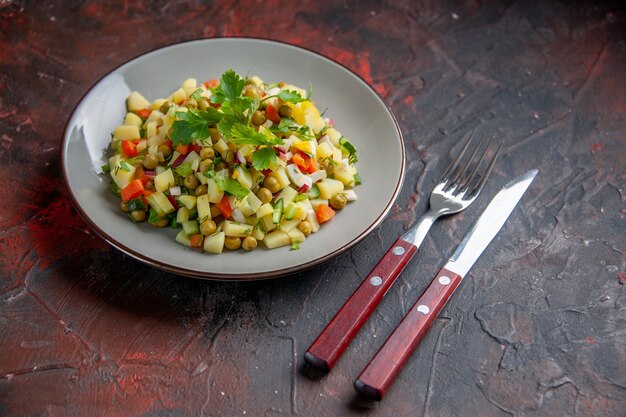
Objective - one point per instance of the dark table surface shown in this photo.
(537, 329)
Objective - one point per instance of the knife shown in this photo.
(386, 364)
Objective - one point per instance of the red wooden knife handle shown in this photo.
(333, 341)
(386, 364)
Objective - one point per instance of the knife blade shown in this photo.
(382, 370)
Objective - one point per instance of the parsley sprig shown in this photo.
(289, 96)
(193, 124)
(227, 184)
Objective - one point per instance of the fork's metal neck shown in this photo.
(416, 234)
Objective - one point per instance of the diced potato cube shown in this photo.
(243, 177)
(155, 116)
(201, 177)
(334, 136)
(324, 150)
(295, 235)
(214, 243)
(164, 180)
(142, 145)
(151, 129)
(258, 233)
(213, 191)
(301, 211)
(182, 215)
(203, 206)
(337, 155)
(287, 194)
(177, 96)
(132, 119)
(136, 101)
(287, 225)
(276, 239)
(157, 140)
(264, 210)
(159, 202)
(312, 218)
(329, 188)
(253, 202)
(156, 104)
(188, 201)
(231, 228)
(126, 132)
(168, 121)
(192, 157)
(182, 238)
(122, 173)
(345, 175)
(268, 223)
(190, 85)
(315, 203)
(221, 147)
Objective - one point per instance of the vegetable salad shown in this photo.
(234, 163)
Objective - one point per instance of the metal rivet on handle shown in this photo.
(376, 280)
(444, 280)
(398, 250)
(423, 309)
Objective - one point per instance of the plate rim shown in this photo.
(229, 276)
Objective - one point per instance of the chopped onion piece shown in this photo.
(285, 156)
(175, 190)
(240, 158)
(238, 216)
(350, 195)
(317, 175)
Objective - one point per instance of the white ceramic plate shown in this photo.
(357, 110)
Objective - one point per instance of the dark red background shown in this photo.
(537, 329)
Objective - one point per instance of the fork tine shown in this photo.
(469, 179)
(454, 164)
(460, 180)
(476, 189)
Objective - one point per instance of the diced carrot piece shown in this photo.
(129, 148)
(182, 149)
(312, 166)
(224, 207)
(143, 113)
(211, 83)
(324, 213)
(141, 175)
(196, 240)
(272, 113)
(133, 190)
(303, 161)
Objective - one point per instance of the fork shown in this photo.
(456, 190)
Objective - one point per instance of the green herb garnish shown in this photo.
(228, 185)
(295, 245)
(345, 144)
(193, 124)
(136, 204)
(184, 169)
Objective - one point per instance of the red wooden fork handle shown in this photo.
(333, 341)
(386, 364)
